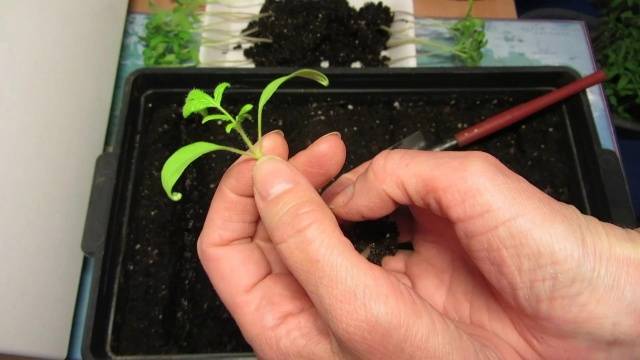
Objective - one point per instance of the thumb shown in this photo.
(308, 239)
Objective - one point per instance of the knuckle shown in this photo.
(478, 164)
(298, 220)
(201, 247)
(204, 248)
(378, 169)
(472, 188)
(480, 160)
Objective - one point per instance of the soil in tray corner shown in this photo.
(165, 303)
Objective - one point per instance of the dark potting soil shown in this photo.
(308, 32)
(165, 303)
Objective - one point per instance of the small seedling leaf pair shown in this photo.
(199, 102)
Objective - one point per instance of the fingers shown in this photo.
(235, 264)
(318, 163)
(441, 182)
(518, 236)
(322, 160)
(309, 241)
(398, 262)
(343, 182)
(237, 259)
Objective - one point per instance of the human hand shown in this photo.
(272, 310)
(499, 268)
(500, 259)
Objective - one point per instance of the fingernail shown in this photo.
(278, 131)
(271, 177)
(333, 133)
(337, 188)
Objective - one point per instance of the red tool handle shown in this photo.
(519, 112)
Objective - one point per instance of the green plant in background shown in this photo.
(171, 38)
(618, 49)
(200, 102)
(468, 38)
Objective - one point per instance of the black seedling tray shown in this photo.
(149, 296)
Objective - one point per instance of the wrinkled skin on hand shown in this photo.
(499, 269)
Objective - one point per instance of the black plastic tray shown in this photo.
(600, 189)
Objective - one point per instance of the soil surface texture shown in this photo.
(320, 33)
(165, 303)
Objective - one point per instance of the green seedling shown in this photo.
(199, 102)
(468, 38)
(172, 37)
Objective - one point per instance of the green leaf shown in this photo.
(217, 93)
(196, 101)
(243, 112)
(178, 163)
(230, 127)
(215, 117)
(623, 83)
(170, 59)
(244, 116)
(156, 41)
(273, 86)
